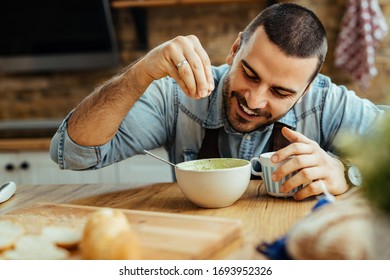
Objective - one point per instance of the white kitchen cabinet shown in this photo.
(8, 167)
(37, 168)
(144, 169)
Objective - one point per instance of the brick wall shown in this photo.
(330, 12)
(54, 95)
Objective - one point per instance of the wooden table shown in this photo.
(264, 218)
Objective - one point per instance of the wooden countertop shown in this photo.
(264, 218)
(25, 144)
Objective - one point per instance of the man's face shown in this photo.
(263, 84)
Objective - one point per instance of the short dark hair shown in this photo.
(296, 30)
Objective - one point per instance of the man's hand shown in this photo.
(312, 163)
(97, 118)
(184, 59)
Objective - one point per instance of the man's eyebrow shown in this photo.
(292, 91)
(243, 61)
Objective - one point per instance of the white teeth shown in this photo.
(247, 110)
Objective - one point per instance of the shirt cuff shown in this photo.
(76, 157)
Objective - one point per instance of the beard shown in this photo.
(262, 119)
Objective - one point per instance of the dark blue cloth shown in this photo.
(277, 250)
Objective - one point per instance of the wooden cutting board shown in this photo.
(162, 235)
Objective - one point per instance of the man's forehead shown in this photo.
(260, 49)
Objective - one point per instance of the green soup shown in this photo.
(212, 164)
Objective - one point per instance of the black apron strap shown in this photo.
(209, 148)
(278, 141)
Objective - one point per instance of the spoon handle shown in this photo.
(159, 158)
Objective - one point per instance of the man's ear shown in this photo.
(234, 49)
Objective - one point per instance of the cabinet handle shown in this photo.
(9, 167)
(24, 165)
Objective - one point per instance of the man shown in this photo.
(173, 97)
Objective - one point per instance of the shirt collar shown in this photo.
(216, 112)
(290, 118)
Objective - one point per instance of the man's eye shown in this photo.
(252, 78)
(278, 94)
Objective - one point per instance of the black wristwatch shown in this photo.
(352, 173)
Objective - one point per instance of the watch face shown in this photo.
(354, 175)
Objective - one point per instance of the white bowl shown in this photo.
(213, 183)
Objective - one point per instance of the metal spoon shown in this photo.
(159, 158)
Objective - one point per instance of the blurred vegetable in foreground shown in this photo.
(372, 155)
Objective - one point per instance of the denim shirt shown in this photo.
(165, 116)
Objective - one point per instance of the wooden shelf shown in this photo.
(141, 3)
(151, 3)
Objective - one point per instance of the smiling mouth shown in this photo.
(247, 110)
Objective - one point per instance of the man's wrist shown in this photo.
(352, 173)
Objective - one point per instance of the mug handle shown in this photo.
(254, 172)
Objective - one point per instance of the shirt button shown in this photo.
(248, 137)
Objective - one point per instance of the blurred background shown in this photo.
(139, 26)
(53, 53)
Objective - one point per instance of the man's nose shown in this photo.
(256, 98)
